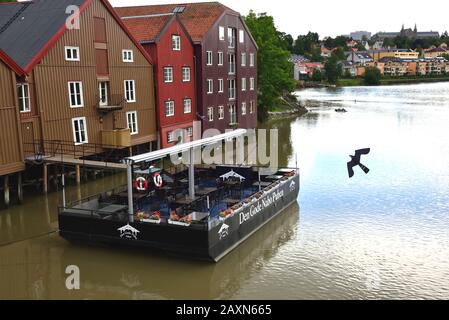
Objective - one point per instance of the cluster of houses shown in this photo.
(390, 62)
(84, 73)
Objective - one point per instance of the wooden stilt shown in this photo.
(45, 178)
(130, 151)
(77, 174)
(6, 189)
(19, 187)
(55, 177)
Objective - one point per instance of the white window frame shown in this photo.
(220, 85)
(210, 114)
(169, 105)
(243, 59)
(100, 93)
(231, 63)
(127, 55)
(221, 33)
(220, 112)
(133, 127)
(251, 107)
(232, 89)
(86, 138)
(170, 137)
(189, 131)
(209, 58)
(251, 84)
(187, 104)
(243, 108)
(232, 114)
(132, 91)
(184, 73)
(72, 49)
(210, 86)
(220, 58)
(80, 93)
(251, 60)
(176, 42)
(170, 74)
(25, 100)
(241, 36)
(243, 84)
(231, 39)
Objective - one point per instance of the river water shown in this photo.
(379, 235)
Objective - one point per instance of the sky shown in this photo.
(332, 18)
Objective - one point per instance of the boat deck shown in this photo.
(219, 192)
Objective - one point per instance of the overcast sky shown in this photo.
(331, 18)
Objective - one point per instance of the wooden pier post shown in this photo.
(6, 190)
(55, 177)
(77, 174)
(20, 187)
(45, 178)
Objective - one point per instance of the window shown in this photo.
(131, 118)
(208, 58)
(243, 108)
(251, 59)
(170, 137)
(185, 74)
(241, 36)
(79, 130)
(210, 86)
(220, 58)
(23, 92)
(103, 93)
(187, 105)
(130, 90)
(251, 107)
(72, 53)
(251, 83)
(128, 56)
(220, 112)
(232, 114)
(221, 33)
(231, 60)
(243, 59)
(168, 74)
(169, 108)
(210, 114)
(76, 94)
(243, 84)
(220, 86)
(190, 131)
(231, 86)
(231, 37)
(176, 42)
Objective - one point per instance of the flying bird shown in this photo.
(355, 161)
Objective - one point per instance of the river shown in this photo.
(379, 235)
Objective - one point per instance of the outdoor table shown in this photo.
(198, 216)
(113, 208)
(205, 191)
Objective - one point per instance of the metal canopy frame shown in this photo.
(160, 154)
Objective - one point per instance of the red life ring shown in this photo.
(157, 179)
(141, 184)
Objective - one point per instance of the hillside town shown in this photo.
(395, 54)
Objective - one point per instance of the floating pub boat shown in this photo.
(204, 211)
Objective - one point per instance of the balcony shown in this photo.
(119, 138)
(113, 102)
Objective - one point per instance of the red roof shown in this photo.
(198, 18)
(146, 29)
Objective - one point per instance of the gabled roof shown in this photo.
(11, 63)
(198, 18)
(29, 29)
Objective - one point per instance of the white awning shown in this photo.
(232, 174)
(160, 154)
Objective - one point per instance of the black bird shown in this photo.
(355, 161)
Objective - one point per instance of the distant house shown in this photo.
(351, 43)
(394, 66)
(407, 33)
(325, 52)
(435, 52)
(396, 53)
(378, 65)
(349, 67)
(305, 70)
(378, 45)
(297, 58)
(359, 57)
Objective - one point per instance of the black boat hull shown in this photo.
(211, 242)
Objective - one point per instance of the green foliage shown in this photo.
(304, 44)
(317, 76)
(333, 69)
(372, 76)
(339, 41)
(274, 69)
(8, 1)
(339, 54)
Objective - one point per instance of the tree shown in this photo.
(372, 76)
(305, 43)
(317, 75)
(274, 69)
(333, 69)
(288, 40)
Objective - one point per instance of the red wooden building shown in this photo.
(225, 61)
(171, 49)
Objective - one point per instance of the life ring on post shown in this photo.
(158, 181)
(141, 184)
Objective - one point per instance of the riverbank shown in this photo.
(385, 81)
(288, 106)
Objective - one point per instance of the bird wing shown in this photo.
(350, 166)
(358, 153)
